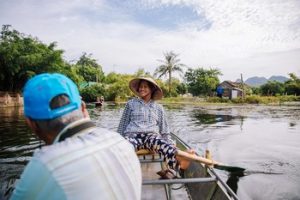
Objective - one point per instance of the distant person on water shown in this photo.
(79, 160)
(99, 102)
(144, 124)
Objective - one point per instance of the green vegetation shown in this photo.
(23, 56)
(254, 99)
(274, 88)
(201, 81)
(170, 64)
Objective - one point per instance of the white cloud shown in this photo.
(250, 37)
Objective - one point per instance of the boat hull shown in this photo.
(204, 190)
(197, 182)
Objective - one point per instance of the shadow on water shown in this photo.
(233, 180)
(234, 177)
(206, 118)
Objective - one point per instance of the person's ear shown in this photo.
(84, 110)
(32, 125)
(46, 137)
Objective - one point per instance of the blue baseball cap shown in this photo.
(41, 89)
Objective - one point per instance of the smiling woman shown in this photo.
(145, 126)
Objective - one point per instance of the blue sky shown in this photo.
(255, 38)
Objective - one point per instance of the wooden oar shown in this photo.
(209, 162)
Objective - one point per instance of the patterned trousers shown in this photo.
(154, 142)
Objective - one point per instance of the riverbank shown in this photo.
(10, 99)
(265, 100)
(16, 100)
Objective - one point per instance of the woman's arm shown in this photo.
(125, 119)
(164, 126)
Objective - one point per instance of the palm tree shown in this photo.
(170, 64)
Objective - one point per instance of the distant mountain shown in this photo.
(258, 81)
(281, 79)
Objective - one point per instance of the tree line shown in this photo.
(23, 56)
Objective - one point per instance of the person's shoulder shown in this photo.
(133, 100)
(103, 134)
(99, 137)
(157, 105)
(109, 138)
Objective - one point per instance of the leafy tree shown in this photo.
(255, 90)
(22, 57)
(163, 87)
(112, 77)
(71, 71)
(292, 86)
(90, 94)
(181, 88)
(201, 81)
(117, 86)
(141, 72)
(272, 88)
(175, 87)
(171, 64)
(89, 69)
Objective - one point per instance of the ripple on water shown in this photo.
(258, 138)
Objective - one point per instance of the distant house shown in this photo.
(229, 89)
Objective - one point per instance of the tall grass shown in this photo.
(254, 99)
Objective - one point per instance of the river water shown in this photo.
(263, 139)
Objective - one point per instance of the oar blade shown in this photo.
(231, 169)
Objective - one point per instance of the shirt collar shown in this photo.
(76, 123)
(143, 102)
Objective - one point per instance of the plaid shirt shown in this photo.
(141, 117)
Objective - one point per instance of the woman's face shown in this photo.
(144, 90)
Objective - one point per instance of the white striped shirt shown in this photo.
(95, 164)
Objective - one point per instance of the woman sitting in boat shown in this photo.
(144, 124)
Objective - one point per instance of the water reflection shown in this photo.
(17, 144)
(233, 180)
(205, 118)
(16, 139)
(262, 139)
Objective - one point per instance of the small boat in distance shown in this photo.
(99, 102)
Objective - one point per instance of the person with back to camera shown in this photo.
(143, 124)
(79, 160)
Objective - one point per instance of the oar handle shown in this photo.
(196, 158)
